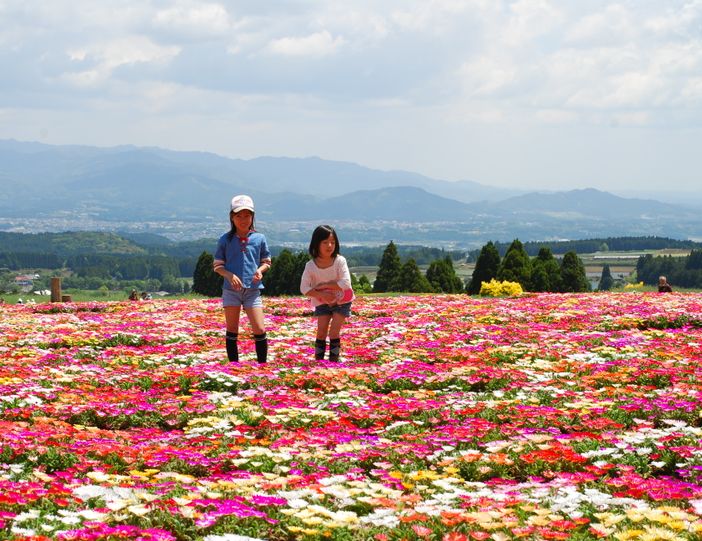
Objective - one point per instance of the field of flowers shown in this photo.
(449, 418)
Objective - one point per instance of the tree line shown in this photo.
(588, 246)
(682, 271)
(90, 260)
(542, 273)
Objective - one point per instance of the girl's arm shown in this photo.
(344, 274)
(218, 267)
(263, 267)
(320, 291)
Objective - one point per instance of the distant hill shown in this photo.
(139, 189)
(152, 183)
(589, 203)
(69, 243)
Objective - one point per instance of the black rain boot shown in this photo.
(320, 348)
(261, 347)
(334, 349)
(232, 347)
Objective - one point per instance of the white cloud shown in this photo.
(614, 24)
(194, 18)
(455, 69)
(317, 44)
(107, 56)
(529, 19)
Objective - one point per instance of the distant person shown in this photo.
(145, 296)
(134, 295)
(663, 285)
(327, 281)
(241, 258)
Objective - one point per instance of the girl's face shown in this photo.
(242, 220)
(327, 246)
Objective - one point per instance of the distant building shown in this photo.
(25, 281)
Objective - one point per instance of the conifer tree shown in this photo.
(442, 276)
(205, 280)
(485, 268)
(411, 280)
(516, 266)
(283, 278)
(573, 274)
(545, 272)
(388, 271)
(606, 279)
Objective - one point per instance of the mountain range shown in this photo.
(144, 184)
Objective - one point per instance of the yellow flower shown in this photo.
(629, 534)
(653, 533)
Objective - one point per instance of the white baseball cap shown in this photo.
(242, 202)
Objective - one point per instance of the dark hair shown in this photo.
(321, 233)
(232, 227)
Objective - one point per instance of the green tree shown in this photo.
(411, 280)
(205, 280)
(389, 270)
(283, 278)
(573, 275)
(606, 279)
(545, 271)
(361, 284)
(516, 266)
(442, 276)
(694, 260)
(485, 268)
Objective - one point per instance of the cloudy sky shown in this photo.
(553, 94)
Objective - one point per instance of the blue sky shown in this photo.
(529, 93)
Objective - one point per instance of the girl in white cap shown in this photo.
(241, 258)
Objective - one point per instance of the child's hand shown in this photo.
(236, 282)
(327, 296)
(258, 276)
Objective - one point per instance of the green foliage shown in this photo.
(283, 278)
(573, 275)
(680, 271)
(545, 272)
(442, 276)
(370, 256)
(606, 279)
(361, 284)
(205, 280)
(485, 268)
(588, 246)
(68, 243)
(516, 266)
(410, 279)
(55, 460)
(389, 270)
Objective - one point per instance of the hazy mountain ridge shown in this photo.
(139, 184)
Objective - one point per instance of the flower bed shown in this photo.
(449, 418)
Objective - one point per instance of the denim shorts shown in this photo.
(248, 298)
(326, 310)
